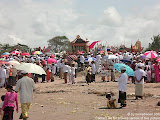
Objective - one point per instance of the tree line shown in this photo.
(62, 43)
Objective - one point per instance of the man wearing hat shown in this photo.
(139, 81)
(26, 87)
(122, 85)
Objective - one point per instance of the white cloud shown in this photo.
(111, 17)
(34, 22)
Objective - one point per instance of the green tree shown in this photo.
(23, 48)
(155, 45)
(59, 43)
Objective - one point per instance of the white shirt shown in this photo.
(122, 82)
(73, 70)
(65, 68)
(26, 86)
(98, 58)
(93, 69)
(54, 69)
(3, 73)
(138, 74)
(82, 59)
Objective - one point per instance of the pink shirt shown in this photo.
(9, 100)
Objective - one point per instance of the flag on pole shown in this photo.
(93, 44)
(43, 50)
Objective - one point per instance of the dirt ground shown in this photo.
(59, 101)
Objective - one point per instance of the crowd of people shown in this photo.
(145, 70)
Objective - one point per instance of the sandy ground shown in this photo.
(59, 101)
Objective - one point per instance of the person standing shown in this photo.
(65, 71)
(8, 105)
(14, 76)
(88, 74)
(82, 59)
(2, 76)
(93, 68)
(122, 85)
(139, 81)
(156, 72)
(26, 87)
(72, 73)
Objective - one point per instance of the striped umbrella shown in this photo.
(15, 52)
(71, 58)
(151, 54)
(37, 53)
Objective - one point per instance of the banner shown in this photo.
(93, 44)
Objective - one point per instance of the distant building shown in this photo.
(79, 44)
(137, 47)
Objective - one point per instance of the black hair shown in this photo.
(9, 87)
(108, 95)
(2, 97)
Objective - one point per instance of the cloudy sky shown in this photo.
(116, 22)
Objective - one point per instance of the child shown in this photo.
(72, 74)
(111, 103)
(8, 106)
(88, 74)
(112, 74)
(1, 105)
(103, 74)
(69, 73)
(108, 74)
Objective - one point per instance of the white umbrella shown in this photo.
(112, 57)
(14, 62)
(30, 68)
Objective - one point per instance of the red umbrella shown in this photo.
(4, 56)
(25, 54)
(15, 52)
(51, 60)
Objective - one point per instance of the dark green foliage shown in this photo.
(155, 45)
(59, 44)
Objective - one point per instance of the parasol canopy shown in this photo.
(30, 68)
(51, 60)
(25, 54)
(129, 71)
(151, 54)
(37, 53)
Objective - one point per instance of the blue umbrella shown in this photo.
(129, 70)
(6, 53)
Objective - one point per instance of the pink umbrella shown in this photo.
(15, 52)
(151, 54)
(101, 52)
(25, 54)
(52, 56)
(158, 60)
(51, 60)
